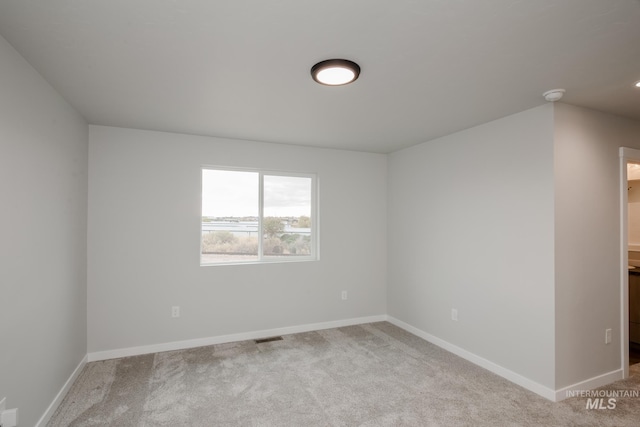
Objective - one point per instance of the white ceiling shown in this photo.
(240, 68)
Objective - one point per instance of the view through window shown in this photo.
(253, 216)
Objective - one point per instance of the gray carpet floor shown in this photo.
(367, 375)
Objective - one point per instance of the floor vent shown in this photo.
(268, 340)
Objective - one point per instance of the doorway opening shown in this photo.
(630, 257)
(633, 245)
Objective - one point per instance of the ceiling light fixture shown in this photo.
(638, 83)
(335, 72)
(553, 95)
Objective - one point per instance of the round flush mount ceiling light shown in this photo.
(335, 72)
(553, 95)
(637, 83)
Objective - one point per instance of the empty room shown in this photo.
(344, 213)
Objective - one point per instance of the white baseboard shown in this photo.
(61, 394)
(589, 384)
(553, 395)
(200, 342)
(484, 363)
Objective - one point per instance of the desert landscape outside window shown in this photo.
(253, 216)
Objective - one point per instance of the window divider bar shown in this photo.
(260, 215)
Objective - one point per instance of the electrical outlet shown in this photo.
(9, 418)
(454, 314)
(344, 295)
(175, 311)
(607, 336)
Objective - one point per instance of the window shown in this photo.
(257, 216)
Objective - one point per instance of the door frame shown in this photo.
(627, 155)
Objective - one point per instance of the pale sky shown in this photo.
(235, 193)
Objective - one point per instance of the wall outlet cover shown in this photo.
(9, 417)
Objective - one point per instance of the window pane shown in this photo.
(287, 216)
(229, 216)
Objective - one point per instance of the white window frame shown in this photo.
(266, 259)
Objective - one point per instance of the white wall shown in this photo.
(43, 219)
(588, 240)
(471, 227)
(144, 231)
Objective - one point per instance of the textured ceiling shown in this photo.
(240, 68)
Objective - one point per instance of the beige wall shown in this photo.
(633, 235)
